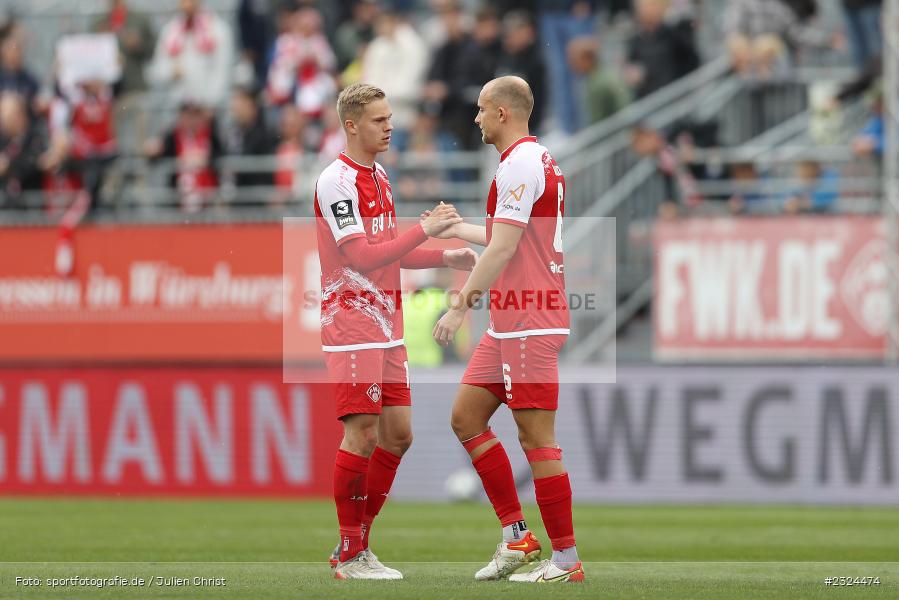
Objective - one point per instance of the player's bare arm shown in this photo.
(467, 232)
(502, 247)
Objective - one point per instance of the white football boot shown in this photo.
(547, 572)
(373, 561)
(509, 557)
(359, 567)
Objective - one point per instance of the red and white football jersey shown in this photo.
(528, 191)
(359, 310)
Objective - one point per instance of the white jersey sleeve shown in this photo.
(519, 184)
(338, 201)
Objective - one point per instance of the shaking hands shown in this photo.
(436, 222)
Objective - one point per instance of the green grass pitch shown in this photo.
(278, 549)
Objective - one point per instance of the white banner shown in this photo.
(88, 57)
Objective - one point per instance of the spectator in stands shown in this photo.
(355, 33)
(762, 35)
(487, 50)
(302, 69)
(83, 141)
(196, 147)
(817, 192)
(764, 57)
(57, 182)
(290, 153)
(256, 32)
(504, 7)
(674, 153)
(21, 146)
(94, 144)
(560, 22)
(521, 56)
(353, 71)
(867, 78)
(658, 53)
(14, 77)
(136, 42)
(747, 199)
(462, 76)
(869, 141)
(248, 135)
(397, 61)
(449, 79)
(194, 55)
(333, 138)
(433, 29)
(602, 92)
(423, 182)
(863, 21)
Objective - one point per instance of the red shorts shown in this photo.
(365, 380)
(522, 372)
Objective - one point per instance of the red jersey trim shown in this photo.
(347, 238)
(511, 222)
(507, 151)
(359, 167)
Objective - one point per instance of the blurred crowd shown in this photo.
(263, 84)
(765, 41)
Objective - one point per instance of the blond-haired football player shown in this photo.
(361, 254)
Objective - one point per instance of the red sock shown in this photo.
(496, 474)
(554, 499)
(382, 468)
(349, 496)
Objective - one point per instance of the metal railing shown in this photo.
(138, 189)
(630, 189)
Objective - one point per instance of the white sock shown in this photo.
(566, 558)
(514, 531)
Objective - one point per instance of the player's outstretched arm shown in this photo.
(467, 232)
(499, 252)
(363, 256)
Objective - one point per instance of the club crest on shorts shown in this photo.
(374, 392)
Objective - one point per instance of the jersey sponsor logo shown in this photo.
(555, 267)
(517, 192)
(374, 392)
(512, 197)
(343, 213)
(378, 223)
